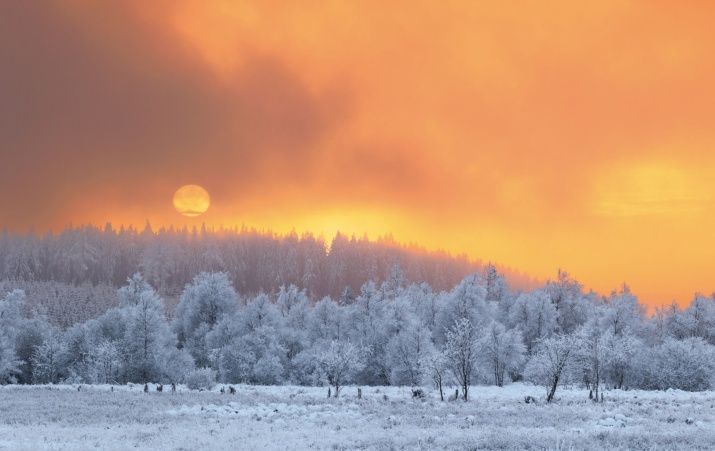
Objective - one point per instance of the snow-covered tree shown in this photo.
(622, 312)
(294, 328)
(324, 320)
(569, 301)
(621, 355)
(259, 312)
(435, 367)
(535, 315)
(10, 324)
(106, 362)
(424, 302)
(552, 363)
(339, 361)
(147, 336)
(268, 370)
(9, 364)
(130, 294)
(203, 303)
(406, 351)
(496, 286)
(290, 297)
(674, 323)
(49, 359)
(501, 350)
(30, 335)
(465, 301)
(700, 318)
(369, 328)
(462, 353)
(592, 354)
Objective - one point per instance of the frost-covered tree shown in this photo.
(395, 284)
(621, 355)
(49, 359)
(406, 351)
(294, 328)
(435, 367)
(672, 322)
(176, 363)
(700, 318)
(424, 301)
(31, 334)
(130, 294)
(247, 346)
(501, 350)
(22, 258)
(571, 304)
(369, 328)
(592, 354)
(535, 315)
(105, 362)
(339, 361)
(259, 312)
(465, 301)
(461, 352)
(268, 370)
(552, 363)
(290, 297)
(496, 286)
(622, 312)
(9, 364)
(203, 303)
(237, 360)
(324, 320)
(10, 324)
(147, 336)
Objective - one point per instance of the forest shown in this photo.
(256, 261)
(91, 306)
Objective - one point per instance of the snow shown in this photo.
(58, 417)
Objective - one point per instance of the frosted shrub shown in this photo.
(679, 364)
(201, 378)
(268, 370)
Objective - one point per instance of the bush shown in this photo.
(201, 378)
(678, 364)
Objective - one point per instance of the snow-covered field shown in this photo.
(289, 417)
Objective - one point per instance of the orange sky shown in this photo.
(540, 135)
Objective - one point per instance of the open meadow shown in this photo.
(386, 418)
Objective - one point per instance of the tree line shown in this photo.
(256, 261)
(396, 332)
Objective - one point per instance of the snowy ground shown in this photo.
(60, 418)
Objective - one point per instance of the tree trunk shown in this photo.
(552, 391)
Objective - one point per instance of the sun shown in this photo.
(191, 200)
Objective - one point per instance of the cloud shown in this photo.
(538, 136)
(89, 108)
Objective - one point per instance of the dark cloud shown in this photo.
(96, 99)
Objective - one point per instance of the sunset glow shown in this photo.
(543, 135)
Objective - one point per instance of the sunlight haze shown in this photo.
(539, 135)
